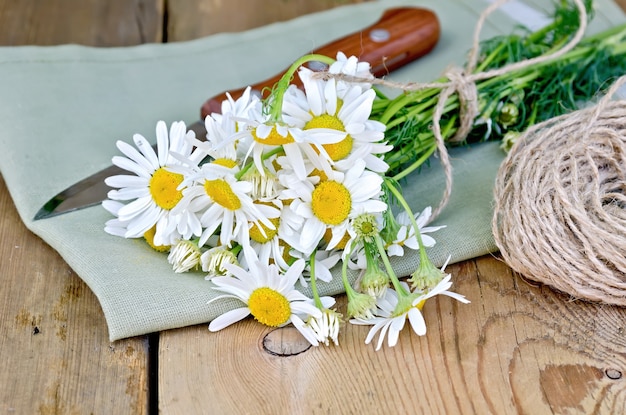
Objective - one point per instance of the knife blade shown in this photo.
(400, 36)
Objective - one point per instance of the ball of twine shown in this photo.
(560, 203)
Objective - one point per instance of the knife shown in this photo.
(400, 36)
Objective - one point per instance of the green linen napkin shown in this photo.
(63, 108)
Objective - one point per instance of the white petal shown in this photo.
(133, 167)
(395, 250)
(456, 296)
(396, 326)
(293, 273)
(305, 331)
(229, 318)
(381, 336)
(162, 142)
(123, 180)
(417, 321)
(129, 193)
(134, 155)
(428, 241)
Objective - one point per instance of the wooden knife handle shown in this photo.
(400, 36)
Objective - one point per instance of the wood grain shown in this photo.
(54, 350)
(516, 348)
(85, 22)
(191, 19)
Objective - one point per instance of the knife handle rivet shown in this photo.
(317, 66)
(380, 35)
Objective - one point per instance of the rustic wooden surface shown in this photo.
(517, 348)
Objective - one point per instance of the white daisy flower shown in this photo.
(393, 310)
(153, 191)
(265, 185)
(363, 228)
(269, 296)
(343, 121)
(333, 202)
(222, 201)
(406, 234)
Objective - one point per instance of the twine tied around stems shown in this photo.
(560, 202)
(462, 81)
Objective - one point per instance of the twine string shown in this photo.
(560, 202)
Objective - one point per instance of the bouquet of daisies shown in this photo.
(279, 192)
(282, 190)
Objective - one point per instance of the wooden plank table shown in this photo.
(518, 348)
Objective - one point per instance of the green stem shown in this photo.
(425, 156)
(350, 293)
(276, 97)
(490, 58)
(392, 275)
(418, 236)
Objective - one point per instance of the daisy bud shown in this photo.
(509, 140)
(214, 259)
(426, 275)
(374, 282)
(361, 305)
(508, 115)
(184, 256)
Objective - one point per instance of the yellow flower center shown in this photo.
(325, 121)
(269, 307)
(220, 192)
(273, 138)
(260, 237)
(336, 151)
(225, 162)
(149, 237)
(163, 188)
(420, 305)
(340, 150)
(331, 202)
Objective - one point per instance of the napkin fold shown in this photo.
(63, 108)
